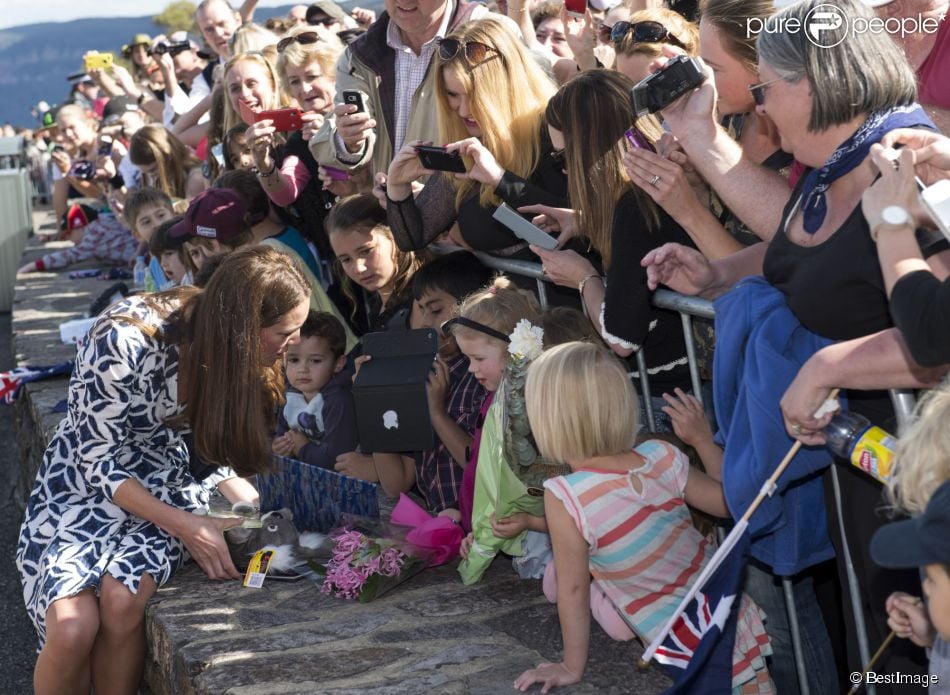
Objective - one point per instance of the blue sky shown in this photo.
(17, 12)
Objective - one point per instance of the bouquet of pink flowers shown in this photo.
(365, 565)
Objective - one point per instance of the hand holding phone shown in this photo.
(638, 140)
(353, 98)
(97, 61)
(576, 8)
(284, 120)
(523, 229)
(437, 159)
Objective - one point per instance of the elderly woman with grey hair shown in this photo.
(830, 104)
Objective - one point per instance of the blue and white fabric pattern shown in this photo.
(122, 391)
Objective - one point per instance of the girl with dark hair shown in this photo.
(371, 261)
(111, 516)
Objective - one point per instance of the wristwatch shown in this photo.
(892, 217)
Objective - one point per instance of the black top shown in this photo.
(308, 212)
(629, 318)
(835, 288)
(920, 306)
(416, 222)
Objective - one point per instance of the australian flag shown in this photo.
(697, 649)
(12, 381)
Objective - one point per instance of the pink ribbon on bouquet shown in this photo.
(437, 533)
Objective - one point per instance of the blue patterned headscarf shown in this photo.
(850, 154)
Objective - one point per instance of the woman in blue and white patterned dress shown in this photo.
(110, 516)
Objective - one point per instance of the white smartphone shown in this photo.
(523, 229)
(936, 200)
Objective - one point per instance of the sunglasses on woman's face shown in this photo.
(758, 90)
(475, 52)
(305, 38)
(644, 32)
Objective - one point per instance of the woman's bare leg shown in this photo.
(63, 666)
(118, 656)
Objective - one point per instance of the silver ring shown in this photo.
(544, 271)
(655, 179)
(796, 429)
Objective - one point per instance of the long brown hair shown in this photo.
(230, 397)
(152, 144)
(596, 178)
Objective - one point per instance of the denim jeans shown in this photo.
(661, 421)
(766, 590)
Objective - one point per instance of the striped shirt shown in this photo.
(644, 549)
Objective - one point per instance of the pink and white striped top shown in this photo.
(644, 549)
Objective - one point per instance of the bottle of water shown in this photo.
(138, 273)
(869, 448)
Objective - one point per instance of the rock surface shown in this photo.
(432, 634)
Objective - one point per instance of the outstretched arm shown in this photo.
(573, 600)
(877, 361)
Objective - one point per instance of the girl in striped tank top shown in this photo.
(621, 516)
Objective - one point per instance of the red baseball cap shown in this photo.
(78, 215)
(217, 213)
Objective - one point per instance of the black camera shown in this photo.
(662, 88)
(83, 169)
(172, 48)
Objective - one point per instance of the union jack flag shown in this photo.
(697, 648)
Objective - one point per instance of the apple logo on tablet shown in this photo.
(391, 420)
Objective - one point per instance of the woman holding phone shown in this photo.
(622, 224)
(288, 172)
(491, 95)
(76, 142)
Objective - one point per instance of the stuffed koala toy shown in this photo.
(279, 534)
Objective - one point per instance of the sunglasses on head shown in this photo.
(758, 90)
(475, 52)
(644, 32)
(305, 38)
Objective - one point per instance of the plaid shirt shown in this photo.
(438, 476)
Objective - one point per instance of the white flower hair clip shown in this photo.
(526, 340)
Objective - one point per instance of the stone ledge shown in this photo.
(432, 634)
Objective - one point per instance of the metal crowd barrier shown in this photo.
(688, 308)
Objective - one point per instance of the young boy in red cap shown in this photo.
(214, 224)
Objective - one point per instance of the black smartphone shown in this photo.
(437, 159)
(351, 96)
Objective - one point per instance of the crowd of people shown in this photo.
(272, 178)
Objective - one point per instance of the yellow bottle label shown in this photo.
(874, 453)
